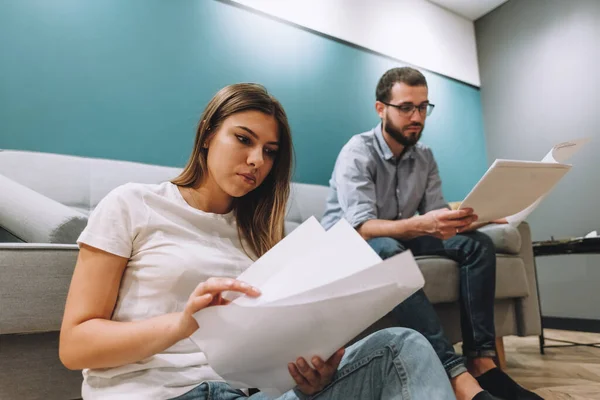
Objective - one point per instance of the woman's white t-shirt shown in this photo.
(171, 247)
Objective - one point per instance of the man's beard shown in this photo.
(406, 140)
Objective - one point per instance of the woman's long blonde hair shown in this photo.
(260, 214)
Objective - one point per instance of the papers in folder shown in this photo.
(319, 291)
(558, 154)
(509, 187)
(513, 189)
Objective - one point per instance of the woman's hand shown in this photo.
(313, 380)
(208, 294)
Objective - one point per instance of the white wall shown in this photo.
(416, 32)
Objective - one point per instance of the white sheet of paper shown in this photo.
(364, 280)
(313, 309)
(308, 235)
(560, 153)
(339, 253)
(509, 187)
(251, 346)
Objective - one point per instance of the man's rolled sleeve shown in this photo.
(356, 187)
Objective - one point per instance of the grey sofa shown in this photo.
(44, 203)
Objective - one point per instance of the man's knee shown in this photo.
(483, 243)
(386, 247)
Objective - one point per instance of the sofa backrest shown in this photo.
(77, 182)
(81, 182)
(306, 200)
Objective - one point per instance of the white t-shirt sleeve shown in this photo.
(114, 223)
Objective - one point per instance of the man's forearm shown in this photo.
(403, 229)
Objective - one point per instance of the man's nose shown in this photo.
(417, 116)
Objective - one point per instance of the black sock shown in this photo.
(501, 385)
(484, 395)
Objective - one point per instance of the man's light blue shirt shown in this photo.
(369, 183)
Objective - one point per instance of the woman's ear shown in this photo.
(209, 137)
(208, 133)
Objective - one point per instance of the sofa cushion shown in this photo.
(77, 182)
(65, 179)
(511, 277)
(442, 278)
(34, 285)
(30, 369)
(506, 238)
(290, 226)
(7, 237)
(305, 201)
(35, 218)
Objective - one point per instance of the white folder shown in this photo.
(509, 187)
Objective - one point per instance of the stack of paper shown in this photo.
(319, 290)
(513, 189)
(558, 154)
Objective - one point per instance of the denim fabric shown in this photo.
(475, 254)
(394, 363)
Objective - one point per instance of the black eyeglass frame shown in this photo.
(428, 110)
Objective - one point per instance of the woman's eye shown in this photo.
(242, 139)
(271, 152)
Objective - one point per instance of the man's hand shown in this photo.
(313, 380)
(445, 223)
(476, 225)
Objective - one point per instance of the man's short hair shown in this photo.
(407, 75)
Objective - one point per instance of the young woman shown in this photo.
(153, 255)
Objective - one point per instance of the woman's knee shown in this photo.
(406, 337)
(413, 348)
(399, 340)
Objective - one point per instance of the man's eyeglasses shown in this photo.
(408, 109)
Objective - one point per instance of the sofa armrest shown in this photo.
(35, 218)
(506, 238)
(34, 286)
(529, 320)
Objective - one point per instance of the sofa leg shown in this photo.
(501, 358)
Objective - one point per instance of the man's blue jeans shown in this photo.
(475, 254)
(392, 364)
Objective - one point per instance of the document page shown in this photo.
(560, 153)
(318, 293)
(509, 186)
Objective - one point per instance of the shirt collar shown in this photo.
(385, 150)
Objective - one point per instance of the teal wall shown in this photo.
(128, 80)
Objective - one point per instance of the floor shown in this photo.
(562, 373)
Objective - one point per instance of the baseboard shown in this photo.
(572, 324)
